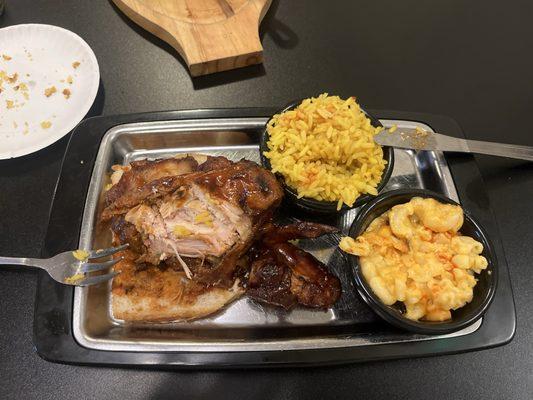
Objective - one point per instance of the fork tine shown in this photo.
(106, 252)
(92, 267)
(94, 280)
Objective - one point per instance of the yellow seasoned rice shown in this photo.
(325, 150)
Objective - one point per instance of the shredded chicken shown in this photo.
(178, 209)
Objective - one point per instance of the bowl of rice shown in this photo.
(323, 150)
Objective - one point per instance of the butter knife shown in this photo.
(419, 139)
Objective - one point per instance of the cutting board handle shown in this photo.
(210, 35)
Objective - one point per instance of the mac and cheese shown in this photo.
(414, 254)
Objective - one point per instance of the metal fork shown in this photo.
(65, 267)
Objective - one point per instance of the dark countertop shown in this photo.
(469, 60)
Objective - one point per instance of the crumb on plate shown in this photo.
(69, 80)
(66, 93)
(23, 89)
(10, 104)
(13, 78)
(6, 57)
(50, 91)
(75, 64)
(46, 124)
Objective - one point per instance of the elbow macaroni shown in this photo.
(415, 254)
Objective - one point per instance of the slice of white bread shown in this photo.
(153, 294)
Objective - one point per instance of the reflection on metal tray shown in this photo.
(244, 325)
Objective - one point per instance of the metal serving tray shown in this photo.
(244, 325)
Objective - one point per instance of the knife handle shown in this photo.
(500, 149)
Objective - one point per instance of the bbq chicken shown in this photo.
(200, 234)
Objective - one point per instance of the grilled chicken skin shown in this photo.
(284, 275)
(178, 210)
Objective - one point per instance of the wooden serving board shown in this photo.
(210, 35)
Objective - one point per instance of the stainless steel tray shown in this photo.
(244, 325)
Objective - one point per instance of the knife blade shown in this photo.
(419, 139)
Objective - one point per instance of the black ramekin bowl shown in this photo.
(462, 317)
(325, 207)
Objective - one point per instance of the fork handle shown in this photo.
(501, 149)
(11, 261)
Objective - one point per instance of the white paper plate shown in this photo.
(42, 56)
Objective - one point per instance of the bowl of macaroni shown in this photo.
(421, 262)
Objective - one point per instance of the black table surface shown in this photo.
(471, 60)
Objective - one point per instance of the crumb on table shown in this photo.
(50, 91)
(66, 93)
(46, 124)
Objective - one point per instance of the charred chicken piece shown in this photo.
(209, 211)
(127, 233)
(269, 281)
(311, 282)
(284, 275)
(273, 233)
